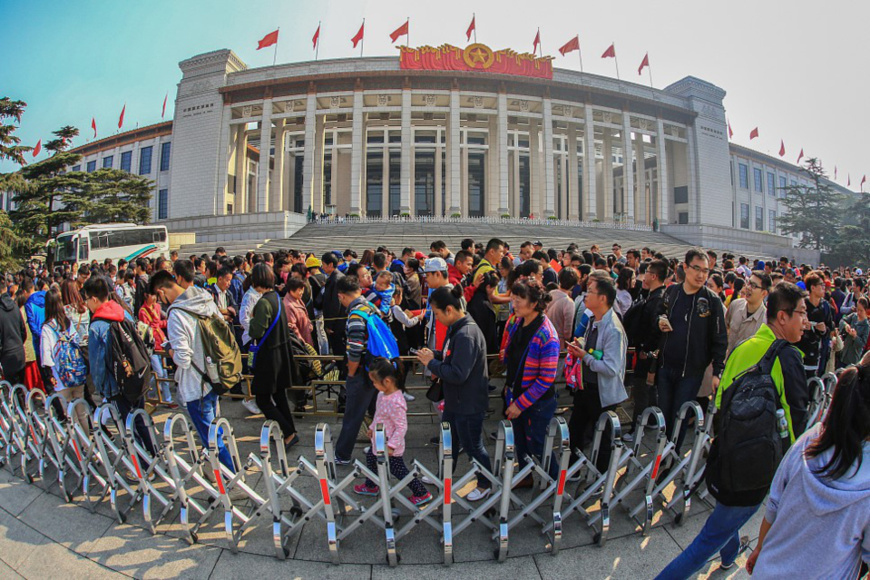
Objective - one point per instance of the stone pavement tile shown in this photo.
(629, 557)
(233, 566)
(7, 572)
(522, 567)
(17, 540)
(67, 524)
(15, 494)
(136, 552)
(54, 561)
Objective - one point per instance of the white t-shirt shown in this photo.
(48, 341)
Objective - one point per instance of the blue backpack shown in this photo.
(381, 341)
(68, 360)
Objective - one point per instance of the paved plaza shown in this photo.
(41, 536)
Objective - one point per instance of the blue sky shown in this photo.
(795, 70)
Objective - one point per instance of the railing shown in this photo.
(322, 220)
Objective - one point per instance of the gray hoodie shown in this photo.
(183, 335)
(821, 527)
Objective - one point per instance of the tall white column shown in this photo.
(405, 171)
(503, 191)
(224, 148)
(356, 157)
(276, 188)
(606, 199)
(439, 182)
(549, 175)
(385, 178)
(694, 211)
(263, 167)
(536, 187)
(240, 144)
(308, 152)
(317, 180)
(664, 193)
(627, 168)
(453, 169)
(591, 211)
(642, 203)
(574, 208)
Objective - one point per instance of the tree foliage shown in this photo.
(852, 245)
(814, 210)
(10, 145)
(117, 196)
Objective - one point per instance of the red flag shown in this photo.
(94, 126)
(537, 41)
(38, 148)
(121, 118)
(268, 40)
(315, 38)
(359, 35)
(610, 52)
(643, 63)
(753, 134)
(163, 114)
(801, 156)
(400, 31)
(730, 132)
(781, 148)
(571, 46)
(471, 28)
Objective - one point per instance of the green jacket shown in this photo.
(787, 372)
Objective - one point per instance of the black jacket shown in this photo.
(649, 335)
(139, 298)
(462, 369)
(707, 339)
(334, 314)
(12, 337)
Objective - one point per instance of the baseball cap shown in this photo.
(313, 262)
(538, 243)
(435, 265)
(420, 256)
(858, 272)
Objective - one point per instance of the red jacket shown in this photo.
(153, 317)
(454, 275)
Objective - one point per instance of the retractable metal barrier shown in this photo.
(7, 444)
(60, 443)
(87, 454)
(36, 441)
(694, 486)
(17, 431)
(116, 462)
(445, 463)
(150, 466)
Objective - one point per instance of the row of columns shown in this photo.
(270, 195)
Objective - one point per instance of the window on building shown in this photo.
(163, 204)
(126, 161)
(758, 177)
(145, 160)
(771, 184)
(77, 168)
(771, 221)
(783, 183)
(683, 217)
(759, 218)
(107, 161)
(164, 156)
(744, 216)
(744, 175)
(681, 194)
(92, 166)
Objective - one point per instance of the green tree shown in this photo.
(814, 210)
(852, 246)
(14, 245)
(117, 196)
(14, 248)
(10, 145)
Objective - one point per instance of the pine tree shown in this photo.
(852, 246)
(117, 196)
(10, 145)
(814, 210)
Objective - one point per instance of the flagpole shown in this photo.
(317, 47)
(408, 34)
(362, 41)
(275, 56)
(649, 70)
(474, 17)
(615, 61)
(580, 52)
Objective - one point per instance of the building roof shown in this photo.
(125, 138)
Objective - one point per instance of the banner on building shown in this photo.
(476, 57)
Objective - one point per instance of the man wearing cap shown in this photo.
(317, 280)
(435, 271)
(334, 314)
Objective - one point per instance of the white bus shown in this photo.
(115, 241)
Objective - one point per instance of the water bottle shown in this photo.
(212, 371)
(782, 423)
(596, 354)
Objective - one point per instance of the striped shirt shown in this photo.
(539, 370)
(357, 331)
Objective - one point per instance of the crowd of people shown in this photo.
(701, 328)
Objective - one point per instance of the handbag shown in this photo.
(435, 393)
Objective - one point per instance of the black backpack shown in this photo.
(632, 320)
(129, 361)
(748, 447)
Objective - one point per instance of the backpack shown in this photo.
(748, 447)
(308, 369)
(68, 360)
(219, 344)
(381, 342)
(632, 320)
(129, 362)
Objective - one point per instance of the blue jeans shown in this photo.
(469, 433)
(720, 534)
(674, 391)
(202, 413)
(530, 431)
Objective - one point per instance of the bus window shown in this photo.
(66, 249)
(83, 249)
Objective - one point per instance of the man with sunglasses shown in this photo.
(692, 321)
(746, 314)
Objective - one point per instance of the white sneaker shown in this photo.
(427, 480)
(251, 406)
(478, 494)
(409, 397)
(628, 437)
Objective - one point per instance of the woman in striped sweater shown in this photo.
(531, 355)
